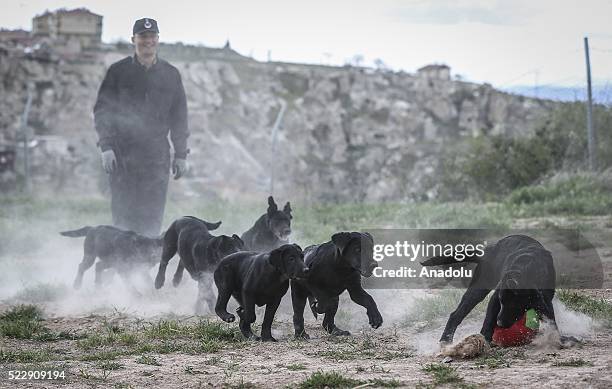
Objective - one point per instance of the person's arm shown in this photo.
(105, 110)
(179, 131)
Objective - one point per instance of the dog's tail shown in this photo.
(210, 226)
(77, 233)
(450, 260)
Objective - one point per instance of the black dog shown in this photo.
(261, 279)
(271, 230)
(521, 272)
(199, 252)
(119, 249)
(334, 267)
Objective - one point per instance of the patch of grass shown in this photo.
(24, 356)
(388, 355)
(109, 365)
(444, 374)
(96, 340)
(580, 194)
(494, 360)
(595, 308)
(148, 360)
(380, 383)
(212, 361)
(208, 330)
(49, 336)
(296, 367)
(204, 330)
(321, 380)
(102, 356)
(22, 322)
(93, 377)
(26, 322)
(573, 362)
(165, 329)
(240, 385)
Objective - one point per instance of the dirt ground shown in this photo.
(389, 354)
(396, 355)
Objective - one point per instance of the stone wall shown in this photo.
(347, 133)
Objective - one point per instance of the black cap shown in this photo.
(145, 24)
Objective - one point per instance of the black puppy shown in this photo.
(271, 230)
(261, 279)
(199, 252)
(119, 249)
(334, 267)
(521, 273)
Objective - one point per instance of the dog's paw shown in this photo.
(159, 282)
(338, 332)
(240, 311)
(375, 319)
(567, 341)
(268, 339)
(444, 345)
(176, 281)
(302, 335)
(229, 318)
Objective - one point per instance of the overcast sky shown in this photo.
(505, 43)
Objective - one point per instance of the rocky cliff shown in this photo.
(347, 133)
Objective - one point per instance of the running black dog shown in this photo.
(271, 230)
(199, 252)
(122, 250)
(257, 279)
(521, 273)
(334, 267)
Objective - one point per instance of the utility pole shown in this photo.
(26, 141)
(275, 128)
(590, 131)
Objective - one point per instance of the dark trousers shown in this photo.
(138, 194)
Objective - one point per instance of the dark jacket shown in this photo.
(136, 108)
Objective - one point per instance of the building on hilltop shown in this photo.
(79, 27)
(434, 72)
(17, 37)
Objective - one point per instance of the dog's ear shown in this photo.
(341, 240)
(369, 236)
(272, 207)
(297, 247)
(238, 240)
(287, 210)
(226, 242)
(276, 259)
(211, 251)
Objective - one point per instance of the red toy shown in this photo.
(520, 333)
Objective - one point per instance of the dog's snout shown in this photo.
(306, 270)
(372, 266)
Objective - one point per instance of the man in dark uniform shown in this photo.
(140, 101)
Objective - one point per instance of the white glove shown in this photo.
(179, 167)
(109, 161)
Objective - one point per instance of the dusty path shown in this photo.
(394, 355)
